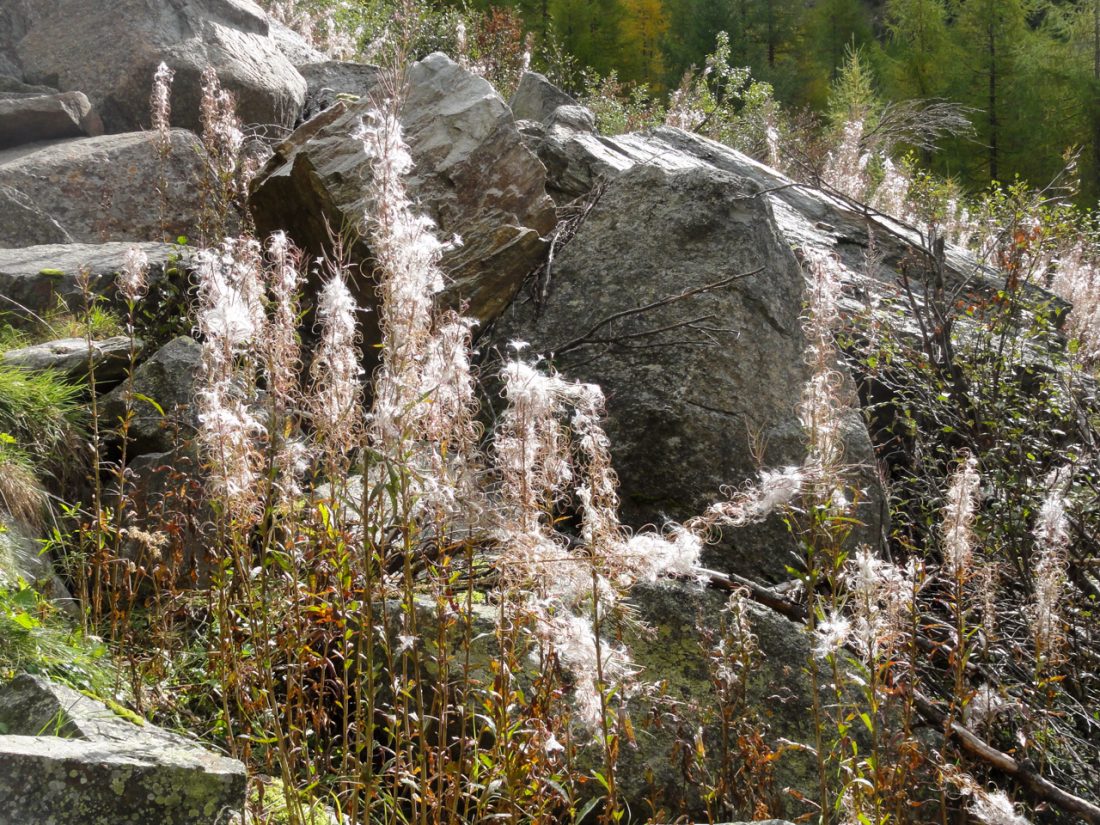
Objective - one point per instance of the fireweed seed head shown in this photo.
(957, 529)
(1052, 540)
(160, 101)
(133, 277)
(337, 366)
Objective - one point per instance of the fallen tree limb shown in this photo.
(589, 337)
(1030, 779)
(967, 740)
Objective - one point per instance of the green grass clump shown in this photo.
(36, 638)
(41, 412)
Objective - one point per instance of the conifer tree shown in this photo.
(992, 33)
(918, 47)
(644, 25)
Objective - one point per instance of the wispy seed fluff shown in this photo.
(821, 410)
(880, 598)
(1052, 540)
(160, 103)
(282, 364)
(133, 277)
(424, 396)
(230, 321)
(550, 446)
(957, 529)
(337, 393)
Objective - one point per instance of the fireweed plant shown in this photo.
(397, 623)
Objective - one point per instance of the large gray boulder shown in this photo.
(473, 176)
(536, 98)
(34, 279)
(113, 187)
(692, 385)
(30, 118)
(66, 758)
(806, 218)
(166, 379)
(112, 57)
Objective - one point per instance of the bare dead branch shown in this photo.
(590, 337)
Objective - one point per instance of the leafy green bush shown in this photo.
(35, 638)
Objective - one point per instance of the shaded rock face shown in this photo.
(167, 378)
(685, 404)
(30, 118)
(72, 357)
(67, 758)
(330, 81)
(110, 188)
(778, 691)
(473, 176)
(35, 278)
(112, 57)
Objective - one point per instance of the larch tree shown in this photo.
(919, 48)
(993, 34)
(643, 28)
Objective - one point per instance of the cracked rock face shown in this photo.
(473, 175)
(70, 759)
(724, 369)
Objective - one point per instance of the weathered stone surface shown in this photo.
(110, 188)
(536, 98)
(12, 86)
(26, 119)
(329, 81)
(168, 378)
(25, 224)
(71, 357)
(686, 405)
(70, 759)
(473, 176)
(112, 58)
(54, 781)
(21, 557)
(293, 46)
(33, 278)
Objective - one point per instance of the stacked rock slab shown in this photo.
(34, 279)
(74, 46)
(114, 187)
(66, 758)
(473, 176)
(28, 118)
